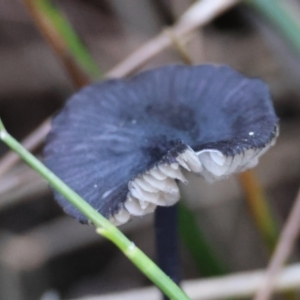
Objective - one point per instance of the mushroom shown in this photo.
(123, 144)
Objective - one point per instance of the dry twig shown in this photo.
(284, 248)
(231, 286)
(57, 42)
(31, 142)
(57, 237)
(198, 15)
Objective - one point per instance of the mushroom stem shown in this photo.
(166, 234)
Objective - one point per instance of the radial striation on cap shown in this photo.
(122, 144)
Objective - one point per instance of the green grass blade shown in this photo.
(205, 259)
(74, 44)
(104, 227)
(278, 14)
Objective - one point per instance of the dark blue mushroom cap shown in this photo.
(123, 144)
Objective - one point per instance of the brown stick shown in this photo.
(31, 142)
(283, 250)
(233, 286)
(197, 15)
(58, 44)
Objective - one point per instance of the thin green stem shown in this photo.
(148, 267)
(104, 227)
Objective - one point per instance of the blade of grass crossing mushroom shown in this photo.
(152, 164)
(63, 39)
(104, 227)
